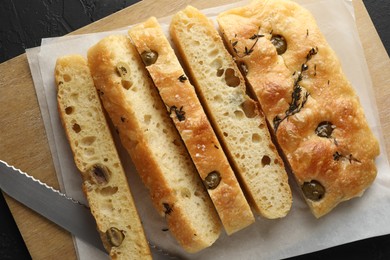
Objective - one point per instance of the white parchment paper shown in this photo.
(296, 234)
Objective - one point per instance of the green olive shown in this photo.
(149, 57)
(325, 129)
(313, 190)
(212, 180)
(123, 70)
(280, 43)
(99, 173)
(115, 236)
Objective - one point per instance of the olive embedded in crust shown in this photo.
(280, 43)
(123, 70)
(115, 236)
(313, 190)
(99, 173)
(325, 129)
(212, 180)
(149, 57)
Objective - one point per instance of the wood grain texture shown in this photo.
(23, 141)
(378, 64)
(24, 144)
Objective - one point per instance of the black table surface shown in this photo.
(24, 23)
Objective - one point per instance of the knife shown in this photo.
(50, 203)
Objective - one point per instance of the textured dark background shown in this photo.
(23, 23)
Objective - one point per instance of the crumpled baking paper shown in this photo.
(299, 232)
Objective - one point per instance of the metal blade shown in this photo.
(50, 203)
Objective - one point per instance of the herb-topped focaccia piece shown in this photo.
(311, 107)
(236, 118)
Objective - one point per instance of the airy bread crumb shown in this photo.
(104, 180)
(194, 127)
(237, 119)
(146, 131)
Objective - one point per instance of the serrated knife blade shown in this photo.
(50, 203)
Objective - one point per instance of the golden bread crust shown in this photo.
(138, 139)
(191, 121)
(342, 160)
(93, 148)
(236, 118)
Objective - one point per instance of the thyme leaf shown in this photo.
(312, 52)
(298, 100)
(168, 208)
(256, 36)
(247, 51)
(180, 114)
(337, 156)
(297, 103)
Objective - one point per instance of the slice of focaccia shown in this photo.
(104, 180)
(314, 111)
(191, 121)
(236, 117)
(148, 134)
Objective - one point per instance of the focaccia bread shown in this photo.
(239, 123)
(148, 134)
(193, 125)
(104, 180)
(313, 110)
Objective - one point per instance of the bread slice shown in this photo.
(236, 117)
(153, 143)
(191, 121)
(315, 113)
(104, 180)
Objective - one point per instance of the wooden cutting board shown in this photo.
(23, 141)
